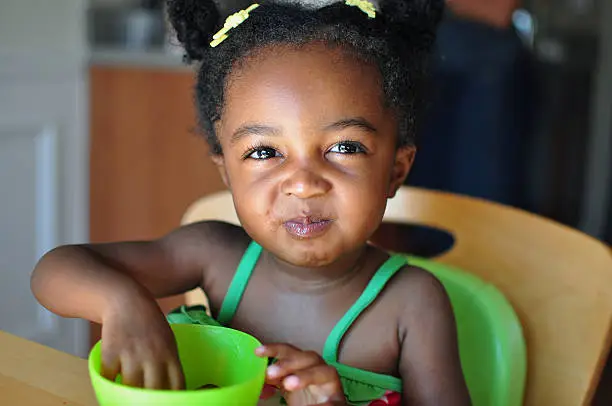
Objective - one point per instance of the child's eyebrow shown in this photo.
(254, 129)
(358, 122)
(265, 130)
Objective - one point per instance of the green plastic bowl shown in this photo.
(209, 355)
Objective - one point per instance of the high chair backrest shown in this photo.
(558, 280)
(217, 206)
(489, 333)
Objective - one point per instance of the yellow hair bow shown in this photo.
(232, 21)
(364, 5)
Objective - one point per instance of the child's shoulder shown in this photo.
(220, 247)
(418, 281)
(417, 293)
(216, 246)
(215, 237)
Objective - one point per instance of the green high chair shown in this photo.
(491, 344)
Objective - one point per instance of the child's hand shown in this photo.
(138, 343)
(303, 376)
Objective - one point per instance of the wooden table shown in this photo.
(32, 374)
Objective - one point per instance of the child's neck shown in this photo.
(316, 280)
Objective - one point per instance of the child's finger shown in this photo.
(278, 351)
(132, 374)
(340, 402)
(324, 377)
(176, 377)
(288, 358)
(296, 362)
(156, 377)
(110, 368)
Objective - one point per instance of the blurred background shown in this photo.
(98, 140)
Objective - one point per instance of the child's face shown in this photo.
(309, 152)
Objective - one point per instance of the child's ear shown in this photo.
(404, 158)
(219, 161)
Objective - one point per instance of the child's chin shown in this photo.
(312, 256)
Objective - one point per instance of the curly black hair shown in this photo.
(398, 41)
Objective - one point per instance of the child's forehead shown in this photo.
(307, 70)
(304, 87)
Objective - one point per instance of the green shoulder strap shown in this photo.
(239, 283)
(371, 292)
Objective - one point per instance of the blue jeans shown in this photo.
(473, 137)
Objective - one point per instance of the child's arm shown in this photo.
(86, 280)
(116, 284)
(429, 363)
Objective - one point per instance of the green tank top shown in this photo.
(360, 386)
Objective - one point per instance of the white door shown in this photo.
(43, 156)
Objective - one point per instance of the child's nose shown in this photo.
(305, 184)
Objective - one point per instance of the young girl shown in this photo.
(310, 115)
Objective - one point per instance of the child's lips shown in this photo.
(307, 227)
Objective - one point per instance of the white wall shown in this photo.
(43, 156)
(42, 25)
(104, 3)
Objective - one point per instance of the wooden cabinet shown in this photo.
(148, 162)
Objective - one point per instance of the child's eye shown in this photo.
(348, 147)
(263, 153)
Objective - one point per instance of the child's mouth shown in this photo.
(307, 227)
